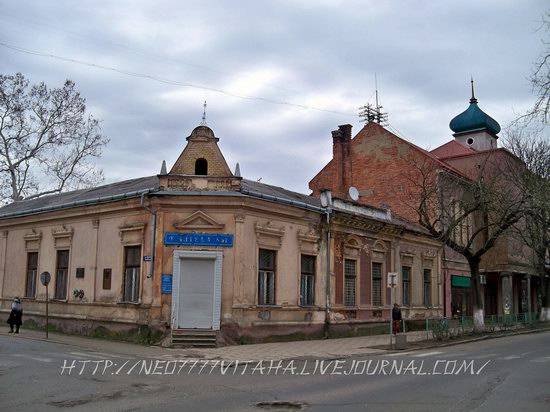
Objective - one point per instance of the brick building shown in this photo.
(383, 169)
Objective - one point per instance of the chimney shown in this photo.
(346, 157)
(338, 158)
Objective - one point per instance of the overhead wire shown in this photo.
(169, 81)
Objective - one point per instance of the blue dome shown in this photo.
(474, 119)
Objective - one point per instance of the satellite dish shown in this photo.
(353, 193)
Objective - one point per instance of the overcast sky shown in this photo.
(301, 68)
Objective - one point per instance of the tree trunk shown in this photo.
(478, 307)
(545, 292)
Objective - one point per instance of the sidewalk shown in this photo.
(326, 348)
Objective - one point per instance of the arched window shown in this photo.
(201, 167)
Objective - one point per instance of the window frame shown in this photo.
(64, 272)
(267, 275)
(131, 295)
(31, 276)
(407, 282)
(427, 293)
(307, 287)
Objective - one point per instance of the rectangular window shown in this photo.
(132, 266)
(427, 287)
(107, 279)
(32, 268)
(307, 280)
(61, 274)
(266, 276)
(350, 275)
(406, 274)
(377, 284)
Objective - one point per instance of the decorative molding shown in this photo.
(239, 217)
(269, 235)
(308, 240)
(32, 239)
(131, 232)
(198, 221)
(63, 237)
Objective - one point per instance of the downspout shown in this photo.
(153, 232)
(326, 203)
(327, 287)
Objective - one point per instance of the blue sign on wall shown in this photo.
(166, 284)
(198, 239)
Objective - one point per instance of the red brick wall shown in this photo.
(381, 169)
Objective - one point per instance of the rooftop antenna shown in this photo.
(370, 114)
(473, 99)
(203, 122)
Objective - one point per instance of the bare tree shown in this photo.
(533, 149)
(540, 78)
(468, 211)
(46, 139)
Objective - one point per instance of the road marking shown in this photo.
(96, 355)
(510, 357)
(400, 353)
(488, 355)
(541, 360)
(36, 358)
(421, 355)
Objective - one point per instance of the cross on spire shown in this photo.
(203, 122)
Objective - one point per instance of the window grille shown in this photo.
(377, 284)
(349, 282)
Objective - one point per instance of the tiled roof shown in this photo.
(451, 149)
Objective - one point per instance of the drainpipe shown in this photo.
(326, 203)
(153, 232)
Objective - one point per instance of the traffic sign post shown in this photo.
(45, 278)
(392, 282)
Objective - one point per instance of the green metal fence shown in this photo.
(441, 328)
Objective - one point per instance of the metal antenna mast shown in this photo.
(369, 114)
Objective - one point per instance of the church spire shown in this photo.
(473, 98)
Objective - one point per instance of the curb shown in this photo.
(476, 339)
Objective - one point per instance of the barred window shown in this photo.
(266, 276)
(427, 287)
(350, 275)
(307, 280)
(377, 284)
(132, 269)
(32, 268)
(61, 274)
(406, 274)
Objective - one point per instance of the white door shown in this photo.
(196, 293)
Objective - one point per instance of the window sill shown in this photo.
(269, 306)
(128, 303)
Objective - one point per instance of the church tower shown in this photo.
(474, 128)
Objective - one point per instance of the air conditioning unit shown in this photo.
(482, 280)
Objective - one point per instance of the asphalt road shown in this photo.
(505, 374)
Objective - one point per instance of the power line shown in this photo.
(168, 81)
